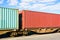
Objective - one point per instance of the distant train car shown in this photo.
(40, 22)
(8, 20)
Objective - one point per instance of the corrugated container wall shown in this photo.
(8, 18)
(32, 19)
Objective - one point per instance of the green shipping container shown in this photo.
(8, 18)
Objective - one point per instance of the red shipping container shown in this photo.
(32, 19)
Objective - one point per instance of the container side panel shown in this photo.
(9, 19)
(40, 20)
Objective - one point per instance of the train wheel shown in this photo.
(13, 34)
(48, 30)
(43, 30)
(25, 33)
(58, 31)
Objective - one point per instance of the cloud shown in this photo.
(1, 1)
(50, 8)
(45, 7)
(33, 4)
(47, 0)
(36, 5)
(12, 2)
(53, 7)
(27, 0)
(34, 1)
(24, 5)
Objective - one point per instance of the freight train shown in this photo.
(16, 22)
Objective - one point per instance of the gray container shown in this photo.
(8, 18)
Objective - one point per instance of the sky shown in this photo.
(52, 6)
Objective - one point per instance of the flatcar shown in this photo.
(40, 22)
